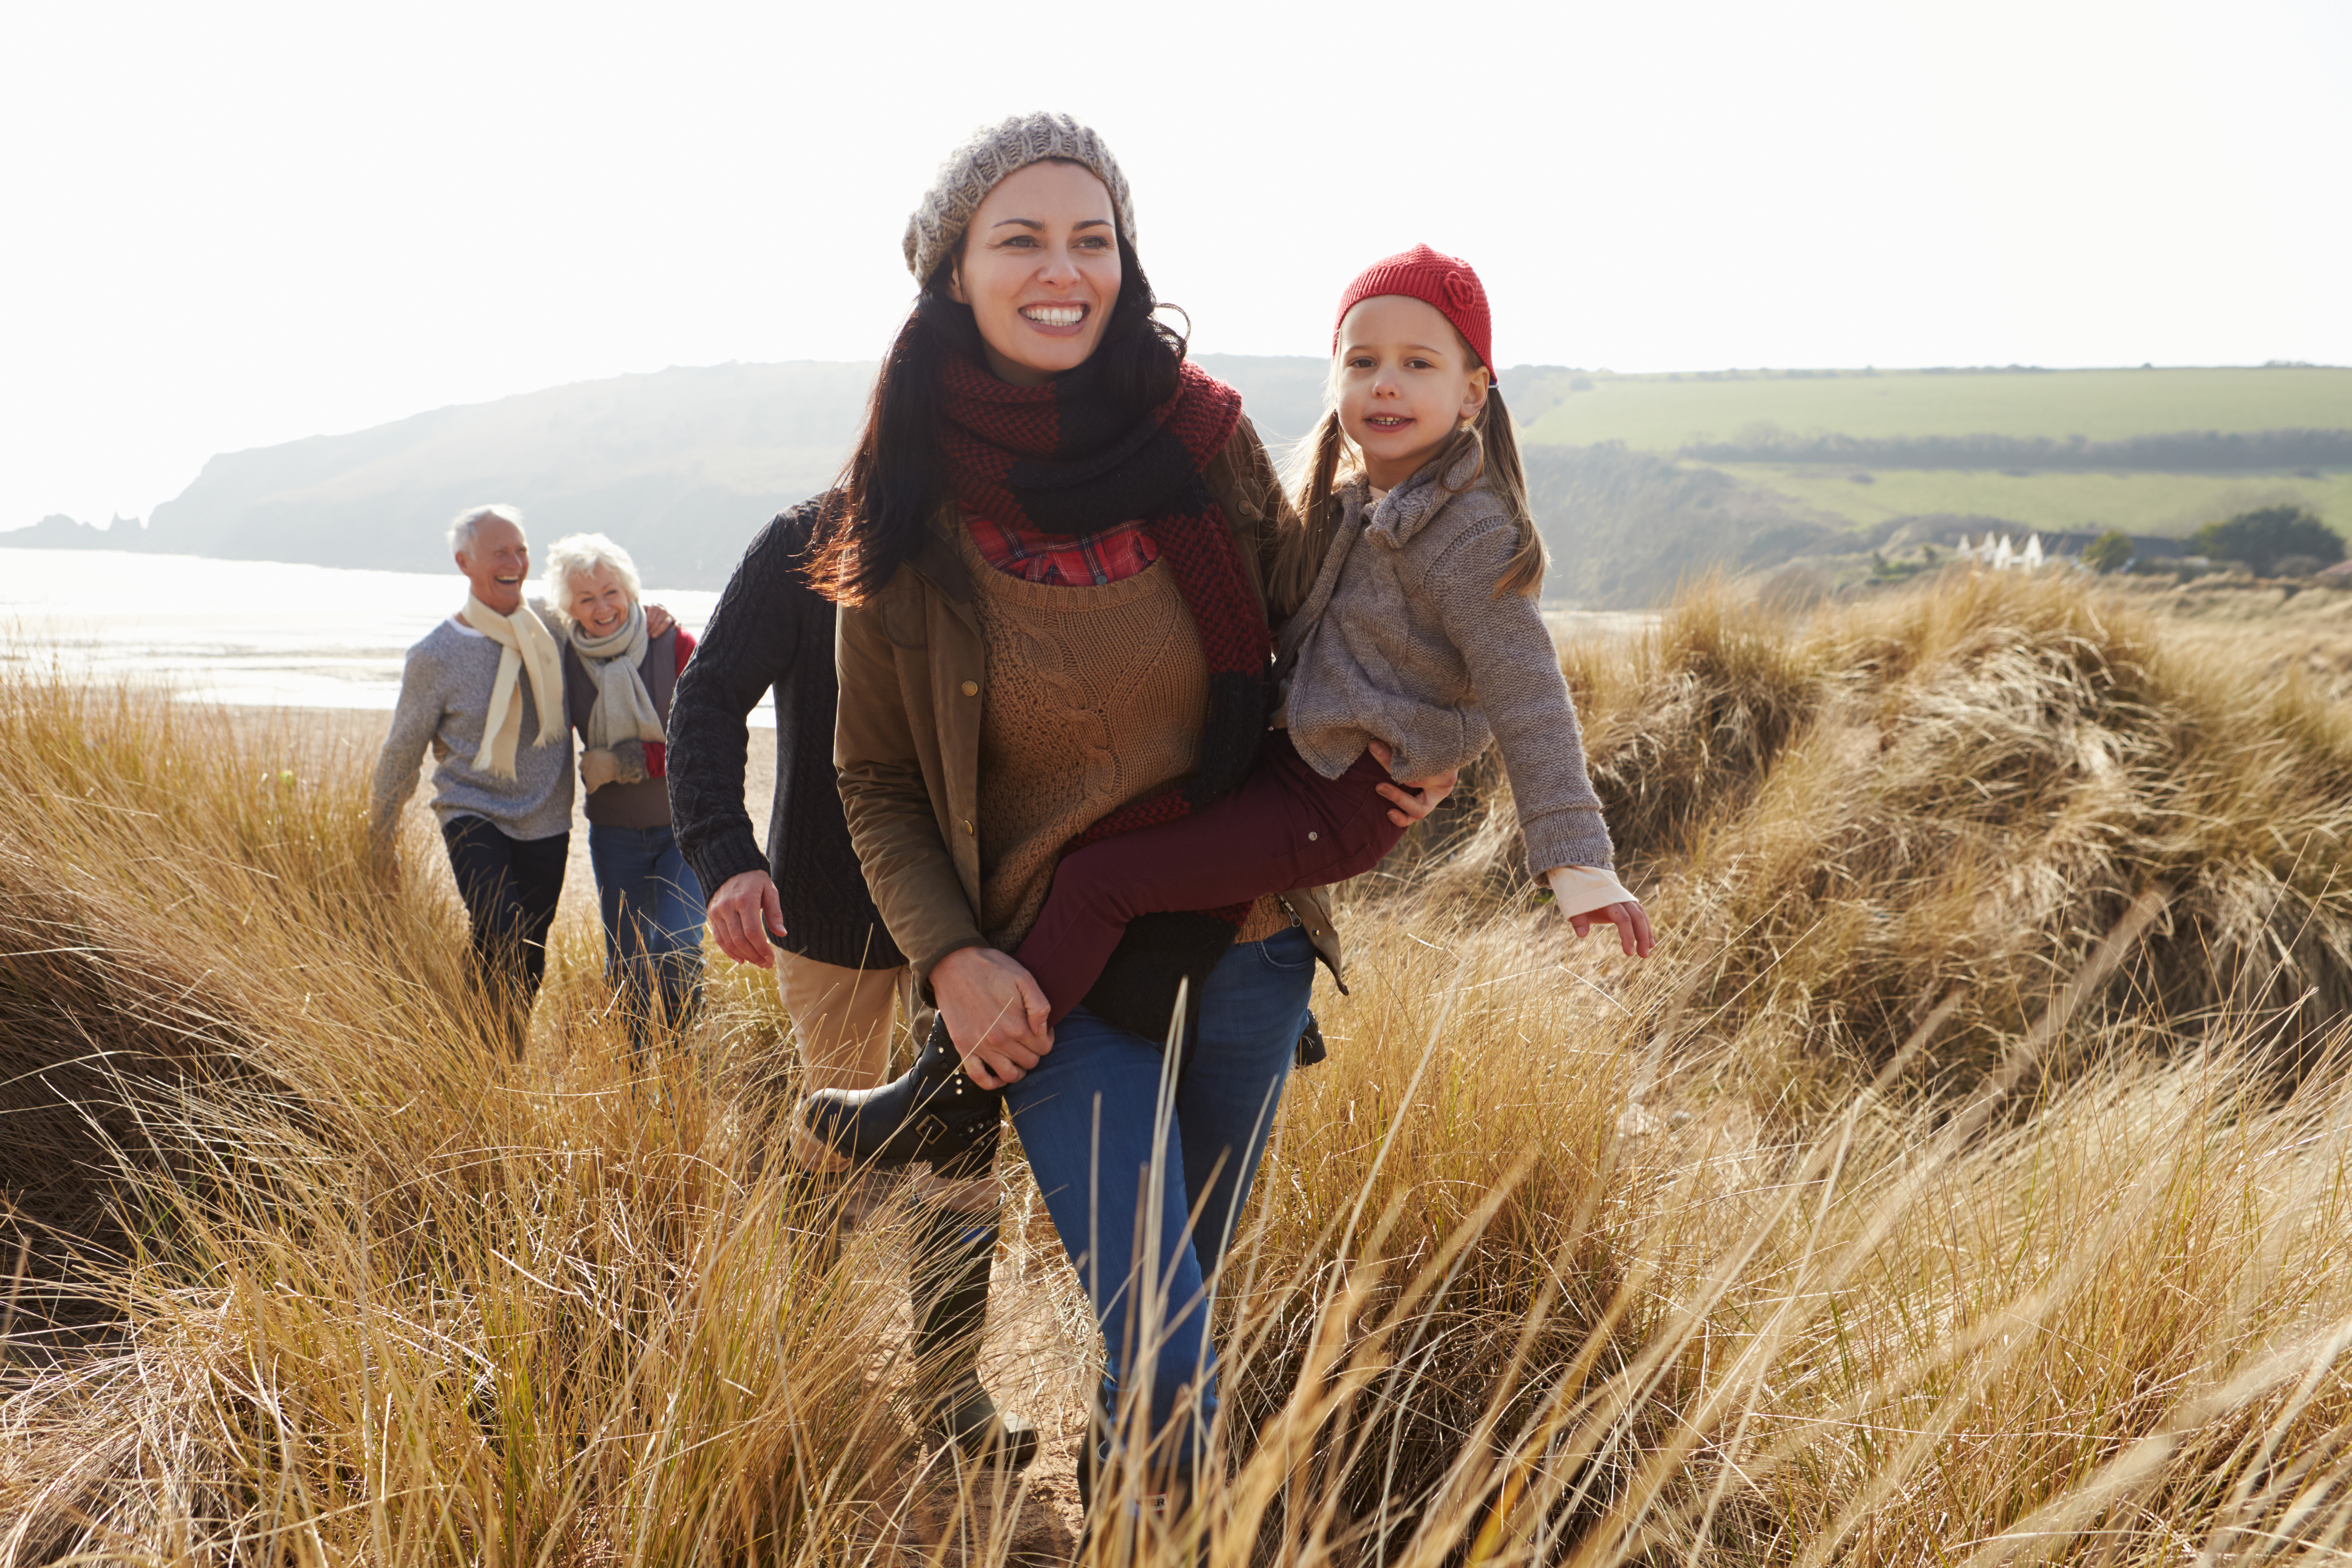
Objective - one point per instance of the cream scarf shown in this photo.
(524, 643)
(624, 709)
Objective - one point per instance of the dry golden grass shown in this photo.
(1965, 1179)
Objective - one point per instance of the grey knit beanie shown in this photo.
(972, 170)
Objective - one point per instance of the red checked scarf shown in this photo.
(1054, 459)
(1058, 459)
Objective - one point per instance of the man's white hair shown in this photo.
(579, 554)
(469, 522)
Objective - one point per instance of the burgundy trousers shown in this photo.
(1283, 826)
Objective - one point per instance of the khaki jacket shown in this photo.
(907, 737)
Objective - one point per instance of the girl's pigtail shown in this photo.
(1316, 464)
(1492, 453)
(1506, 481)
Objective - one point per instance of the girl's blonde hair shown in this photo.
(1327, 459)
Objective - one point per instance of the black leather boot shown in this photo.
(931, 1111)
(949, 1273)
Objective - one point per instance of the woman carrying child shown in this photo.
(1417, 641)
(1050, 560)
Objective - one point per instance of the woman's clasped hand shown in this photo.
(995, 1012)
(998, 1018)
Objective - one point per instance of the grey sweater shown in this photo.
(445, 693)
(1401, 639)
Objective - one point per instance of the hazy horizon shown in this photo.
(262, 222)
(106, 523)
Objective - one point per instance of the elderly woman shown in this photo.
(618, 676)
(1051, 558)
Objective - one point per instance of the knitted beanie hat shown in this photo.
(972, 170)
(1434, 279)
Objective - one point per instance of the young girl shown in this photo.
(1417, 641)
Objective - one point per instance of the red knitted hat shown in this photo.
(1445, 282)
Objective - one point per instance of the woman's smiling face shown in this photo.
(1040, 269)
(600, 601)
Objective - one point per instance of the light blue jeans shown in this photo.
(653, 912)
(1089, 1119)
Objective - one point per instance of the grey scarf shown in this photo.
(623, 717)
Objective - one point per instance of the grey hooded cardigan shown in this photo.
(1401, 639)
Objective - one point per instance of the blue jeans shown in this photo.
(653, 923)
(1087, 1114)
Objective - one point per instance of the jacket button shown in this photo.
(1312, 837)
(971, 689)
(968, 828)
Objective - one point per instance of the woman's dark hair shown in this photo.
(894, 478)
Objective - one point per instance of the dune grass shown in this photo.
(1964, 1181)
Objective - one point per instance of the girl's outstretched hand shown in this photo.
(1633, 923)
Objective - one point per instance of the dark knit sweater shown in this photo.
(771, 630)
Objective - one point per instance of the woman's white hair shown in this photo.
(577, 555)
(462, 529)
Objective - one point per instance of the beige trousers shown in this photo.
(846, 1020)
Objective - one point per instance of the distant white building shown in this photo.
(2003, 554)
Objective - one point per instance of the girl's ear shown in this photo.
(1474, 396)
(955, 283)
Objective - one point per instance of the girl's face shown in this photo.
(600, 601)
(1040, 271)
(1406, 384)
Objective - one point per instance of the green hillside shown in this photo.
(2172, 505)
(1667, 411)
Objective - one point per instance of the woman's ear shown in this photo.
(955, 283)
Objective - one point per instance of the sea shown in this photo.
(271, 634)
(267, 633)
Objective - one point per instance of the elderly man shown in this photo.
(485, 689)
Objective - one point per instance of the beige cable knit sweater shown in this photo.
(1401, 639)
(1094, 698)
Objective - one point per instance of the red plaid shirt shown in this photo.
(1064, 560)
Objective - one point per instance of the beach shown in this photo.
(266, 633)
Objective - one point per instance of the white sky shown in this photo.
(230, 224)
